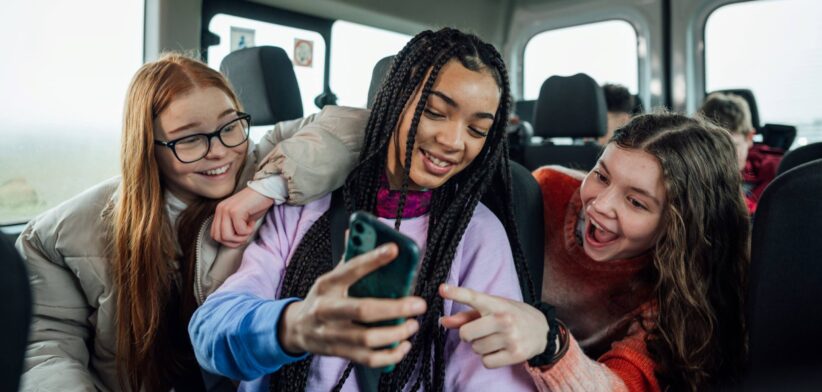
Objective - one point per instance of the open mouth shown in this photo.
(436, 165)
(597, 235)
(216, 172)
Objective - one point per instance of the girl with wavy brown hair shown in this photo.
(645, 267)
(118, 270)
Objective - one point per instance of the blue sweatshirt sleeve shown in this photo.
(235, 334)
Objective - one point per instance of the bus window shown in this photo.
(606, 51)
(64, 79)
(352, 61)
(309, 47)
(773, 48)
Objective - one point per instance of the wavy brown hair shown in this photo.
(701, 260)
(153, 307)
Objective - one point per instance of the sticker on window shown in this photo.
(241, 38)
(303, 52)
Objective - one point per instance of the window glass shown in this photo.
(606, 51)
(309, 47)
(352, 61)
(773, 48)
(64, 80)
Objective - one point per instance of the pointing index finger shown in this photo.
(483, 303)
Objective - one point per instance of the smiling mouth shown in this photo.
(437, 161)
(597, 235)
(216, 171)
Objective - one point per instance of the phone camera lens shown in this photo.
(358, 227)
(356, 241)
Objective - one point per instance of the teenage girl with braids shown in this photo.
(646, 261)
(432, 144)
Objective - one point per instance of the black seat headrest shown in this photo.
(525, 110)
(804, 154)
(266, 85)
(378, 75)
(785, 280)
(748, 96)
(570, 106)
(778, 135)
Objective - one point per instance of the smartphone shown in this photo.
(393, 280)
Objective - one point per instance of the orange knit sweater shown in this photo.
(600, 302)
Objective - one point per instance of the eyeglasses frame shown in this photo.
(172, 143)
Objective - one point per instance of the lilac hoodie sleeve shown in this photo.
(234, 333)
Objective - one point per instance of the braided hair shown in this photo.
(451, 209)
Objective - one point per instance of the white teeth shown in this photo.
(436, 161)
(217, 171)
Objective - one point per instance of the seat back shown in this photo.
(378, 76)
(16, 309)
(527, 200)
(783, 313)
(778, 135)
(264, 80)
(804, 154)
(568, 106)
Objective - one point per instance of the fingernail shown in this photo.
(418, 306)
(413, 327)
(445, 287)
(383, 249)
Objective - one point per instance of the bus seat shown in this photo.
(525, 110)
(799, 156)
(266, 85)
(16, 308)
(782, 311)
(377, 77)
(748, 96)
(527, 198)
(778, 135)
(568, 106)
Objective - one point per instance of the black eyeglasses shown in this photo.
(194, 147)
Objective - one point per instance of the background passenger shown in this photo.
(646, 264)
(117, 271)
(433, 142)
(621, 105)
(758, 163)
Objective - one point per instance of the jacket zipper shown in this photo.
(198, 280)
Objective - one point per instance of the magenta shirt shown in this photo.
(483, 262)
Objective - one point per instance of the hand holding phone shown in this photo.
(330, 322)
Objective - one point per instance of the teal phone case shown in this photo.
(394, 280)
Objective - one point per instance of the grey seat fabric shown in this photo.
(783, 313)
(264, 80)
(378, 77)
(568, 106)
(799, 156)
(16, 308)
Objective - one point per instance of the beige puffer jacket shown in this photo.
(72, 342)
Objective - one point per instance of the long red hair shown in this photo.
(143, 239)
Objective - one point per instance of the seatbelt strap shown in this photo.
(368, 379)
